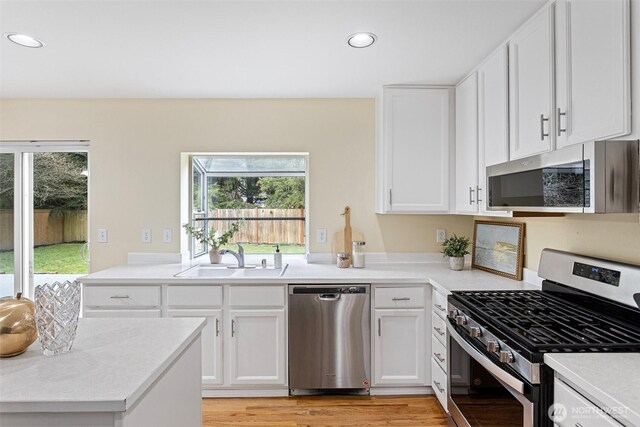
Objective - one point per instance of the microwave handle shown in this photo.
(493, 369)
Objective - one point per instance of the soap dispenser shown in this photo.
(277, 258)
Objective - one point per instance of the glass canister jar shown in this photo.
(343, 260)
(357, 254)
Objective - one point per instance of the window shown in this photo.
(43, 214)
(264, 193)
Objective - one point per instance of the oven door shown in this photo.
(485, 395)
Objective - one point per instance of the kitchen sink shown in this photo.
(220, 271)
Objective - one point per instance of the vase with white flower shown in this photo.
(213, 238)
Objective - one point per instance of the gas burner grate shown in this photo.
(543, 322)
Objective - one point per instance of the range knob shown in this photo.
(475, 331)
(453, 313)
(461, 320)
(353, 290)
(506, 356)
(493, 346)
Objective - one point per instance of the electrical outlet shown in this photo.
(441, 235)
(166, 235)
(321, 235)
(146, 235)
(102, 235)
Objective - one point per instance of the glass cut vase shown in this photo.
(57, 311)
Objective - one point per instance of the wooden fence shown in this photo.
(262, 225)
(48, 229)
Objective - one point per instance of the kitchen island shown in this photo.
(120, 372)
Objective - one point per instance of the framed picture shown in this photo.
(498, 248)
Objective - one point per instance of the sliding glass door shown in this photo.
(43, 214)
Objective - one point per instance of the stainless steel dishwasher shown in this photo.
(329, 338)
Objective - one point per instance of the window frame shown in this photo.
(193, 162)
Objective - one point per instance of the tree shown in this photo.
(286, 192)
(251, 192)
(58, 182)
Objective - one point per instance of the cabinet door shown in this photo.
(257, 347)
(211, 343)
(467, 145)
(416, 150)
(593, 70)
(399, 347)
(493, 120)
(531, 87)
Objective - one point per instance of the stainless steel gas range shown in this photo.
(585, 305)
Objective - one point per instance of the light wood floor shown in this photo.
(306, 411)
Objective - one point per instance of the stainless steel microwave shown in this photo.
(593, 177)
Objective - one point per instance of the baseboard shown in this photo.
(237, 392)
(400, 391)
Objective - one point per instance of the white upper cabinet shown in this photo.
(493, 120)
(467, 145)
(592, 70)
(531, 91)
(413, 150)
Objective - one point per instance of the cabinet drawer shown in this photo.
(439, 328)
(439, 383)
(399, 297)
(194, 296)
(439, 304)
(256, 296)
(122, 296)
(439, 353)
(579, 410)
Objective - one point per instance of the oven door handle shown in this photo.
(486, 362)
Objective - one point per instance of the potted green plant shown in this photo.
(455, 248)
(213, 238)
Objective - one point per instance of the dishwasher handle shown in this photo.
(329, 297)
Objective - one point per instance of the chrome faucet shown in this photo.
(239, 255)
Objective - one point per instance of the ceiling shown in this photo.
(245, 49)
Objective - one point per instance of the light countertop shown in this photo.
(438, 274)
(610, 380)
(111, 364)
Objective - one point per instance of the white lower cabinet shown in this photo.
(573, 409)
(400, 326)
(212, 373)
(244, 343)
(257, 347)
(438, 354)
(399, 347)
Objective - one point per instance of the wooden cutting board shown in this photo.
(342, 240)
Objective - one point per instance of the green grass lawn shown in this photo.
(267, 248)
(64, 258)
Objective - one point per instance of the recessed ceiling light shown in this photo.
(24, 40)
(360, 40)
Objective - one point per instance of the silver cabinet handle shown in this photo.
(471, 190)
(217, 327)
(439, 357)
(119, 297)
(390, 198)
(542, 120)
(478, 199)
(559, 126)
(400, 299)
(438, 330)
(379, 327)
(439, 307)
(437, 384)
(233, 327)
